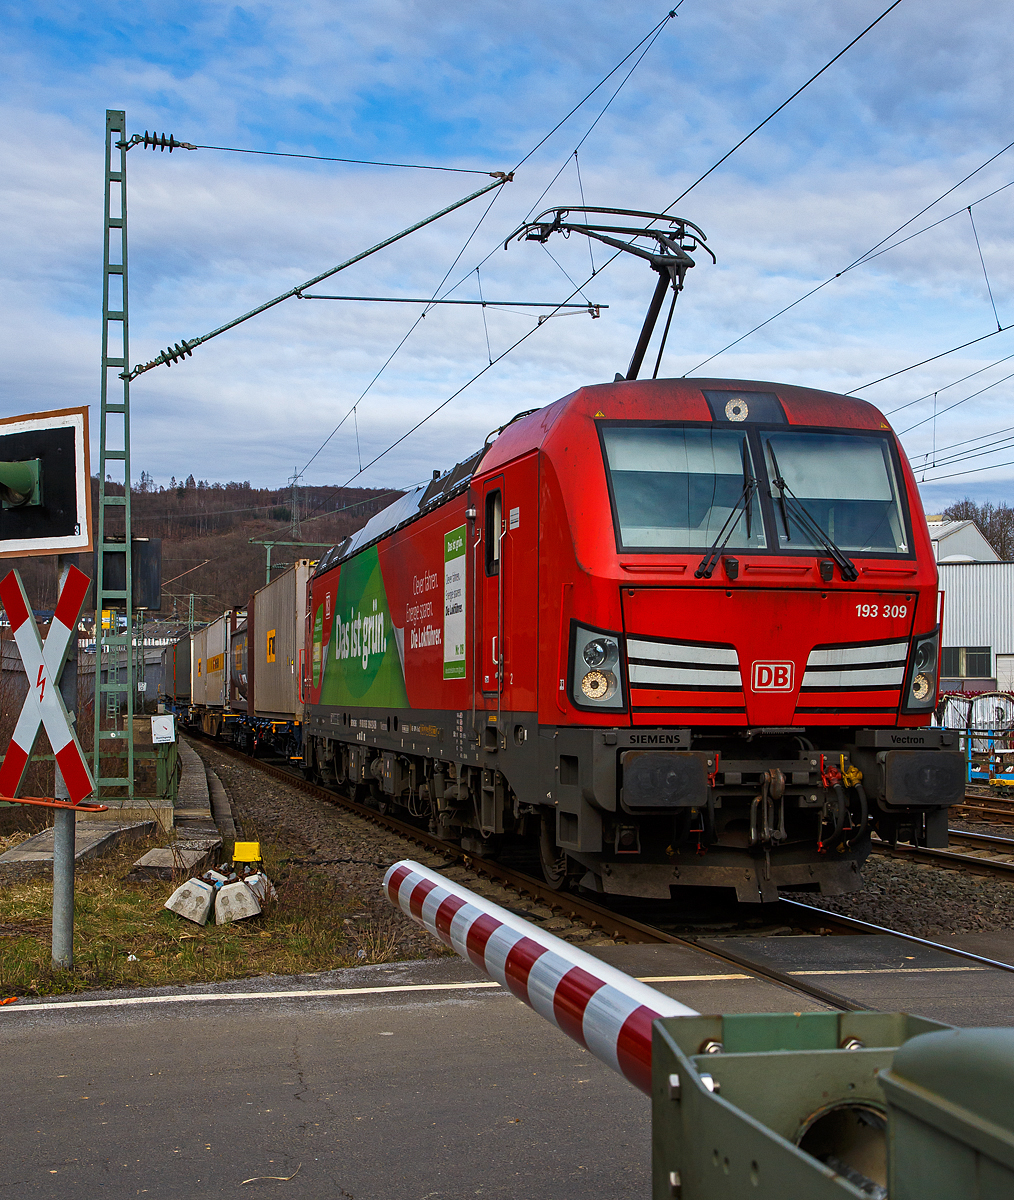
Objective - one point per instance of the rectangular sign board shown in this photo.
(163, 730)
(52, 449)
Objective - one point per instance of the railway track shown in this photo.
(997, 810)
(980, 854)
(618, 924)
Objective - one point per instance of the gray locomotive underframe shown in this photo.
(507, 767)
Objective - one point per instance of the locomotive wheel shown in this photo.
(552, 859)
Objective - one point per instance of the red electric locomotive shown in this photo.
(680, 632)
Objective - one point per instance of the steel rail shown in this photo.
(806, 916)
(594, 915)
(792, 909)
(987, 841)
(947, 858)
(1000, 806)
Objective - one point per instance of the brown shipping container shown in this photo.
(275, 643)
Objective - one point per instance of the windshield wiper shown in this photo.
(809, 525)
(706, 567)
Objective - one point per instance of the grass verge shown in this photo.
(123, 937)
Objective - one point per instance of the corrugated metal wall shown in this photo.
(276, 641)
(978, 605)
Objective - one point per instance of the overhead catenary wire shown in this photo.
(443, 404)
(957, 403)
(946, 460)
(742, 142)
(933, 358)
(971, 471)
(985, 275)
(364, 162)
(612, 259)
(353, 411)
(971, 375)
(670, 15)
(186, 348)
(646, 42)
(874, 252)
(1007, 430)
(430, 301)
(830, 63)
(950, 460)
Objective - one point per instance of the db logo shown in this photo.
(771, 677)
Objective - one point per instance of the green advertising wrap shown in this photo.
(361, 659)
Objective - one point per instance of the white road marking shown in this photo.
(889, 971)
(364, 991)
(126, 1001)
(688, 978)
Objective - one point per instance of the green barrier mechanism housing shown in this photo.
(881, 1106)
(21, 483)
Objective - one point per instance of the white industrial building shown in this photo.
(959, 541)
(977, 647)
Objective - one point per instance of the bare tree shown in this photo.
(995, 522)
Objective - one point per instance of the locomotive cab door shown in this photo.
(492, 579)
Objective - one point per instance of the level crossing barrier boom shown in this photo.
(770, 1106)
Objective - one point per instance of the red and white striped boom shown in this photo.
(601, 1008)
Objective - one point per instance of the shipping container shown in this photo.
(176, 670)
(239, 680)
(209, 663)
(275, 643)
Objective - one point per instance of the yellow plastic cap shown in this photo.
(247, 852)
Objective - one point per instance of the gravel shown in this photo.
(355, 853)
(924, 900)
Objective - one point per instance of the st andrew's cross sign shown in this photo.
(44, 705)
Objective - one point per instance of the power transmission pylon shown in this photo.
(295, 532)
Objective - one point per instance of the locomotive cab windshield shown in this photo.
(674, 487)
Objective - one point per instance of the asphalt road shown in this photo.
(412, 1095)
(433, 1085)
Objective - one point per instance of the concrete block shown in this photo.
(192, 900)
(163, 862)
(261, 886)
(235, 902)
(91, 838)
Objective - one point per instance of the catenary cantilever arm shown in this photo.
(186, 347)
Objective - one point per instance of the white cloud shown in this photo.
(898, 120)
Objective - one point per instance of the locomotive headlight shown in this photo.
(599, 685)
(595, 672)
(601, 652)
(921, 690)
(925, 657)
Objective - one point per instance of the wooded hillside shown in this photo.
(206, 530)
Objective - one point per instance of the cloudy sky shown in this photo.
(911, 110)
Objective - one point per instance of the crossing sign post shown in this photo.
(45, 509)
(50, 689)
(44, 705)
